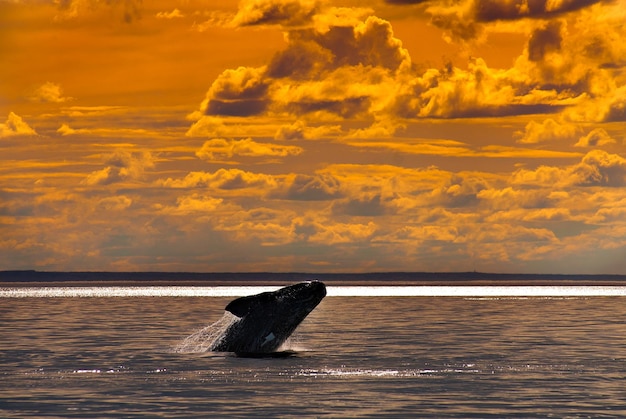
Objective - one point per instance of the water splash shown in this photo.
(292, 344)
(206, 338)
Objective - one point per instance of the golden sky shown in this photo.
(317, 136)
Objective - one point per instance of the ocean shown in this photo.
(463, 351)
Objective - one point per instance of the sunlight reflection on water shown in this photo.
(333, 291)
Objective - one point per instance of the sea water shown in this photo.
(90, 352)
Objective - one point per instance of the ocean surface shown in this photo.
(384, 351)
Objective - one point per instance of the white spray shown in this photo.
(206, 338)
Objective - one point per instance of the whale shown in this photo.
(264, 321)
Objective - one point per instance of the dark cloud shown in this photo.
(236, 107)
(486, 111)
(363, 206)
(545, 40)
(303, 59)
(464, 20)
(240, 83)
(276, 12)
(599, 168)
(238, 92)
(490, 10)
(14, 204)
(311, 188)
(312, 52)
(460, 191)
(346, 108)
(460, 27)
(617, 111)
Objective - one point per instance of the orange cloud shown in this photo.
(193, 203)
(359, 70)
(597, 168)
(465, 20)
(224, 180)
(276, 12)
(65, 130)
(15, 126)
(219, 148)
(547, 131)
(301, 187)
(174, 14)
(49, 92)
(115, 203)
(338, 233)
(121, 166)
(130, 10)
(595, 137)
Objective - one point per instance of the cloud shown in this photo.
(66, 130)
(490, 10)
(295, 131)
(121, 166)
(364, 206)
(357, 69)
(610, 216)
(276, 12)
(174, 14)
(15, 126)
(74, 9)
(330, 234)
(301, 187)
(547, 131)
(368, 43)
(91, 111)
(464, 20)
(594, 138)
(460, 191)
(452, 148)
(609, 106)
(509, 198)
(238, 92)
(597, 168)
(224, 179)
(571, 63)
(545, 40)
(193, 203)
(49, 92)
(340, 72)
(217, 126)
(219, 149)
(479, 91)
(532, 216)
(115, 203)
(266, 226)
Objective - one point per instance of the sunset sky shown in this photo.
(312, 136)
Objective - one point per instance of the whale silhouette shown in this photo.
(264, 321)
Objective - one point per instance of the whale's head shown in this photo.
(266, 320)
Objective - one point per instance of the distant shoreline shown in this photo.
(28, 278)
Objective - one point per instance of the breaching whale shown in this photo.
(264, 321)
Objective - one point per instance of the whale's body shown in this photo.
(264, 321)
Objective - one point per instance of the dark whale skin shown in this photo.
(266, 320)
